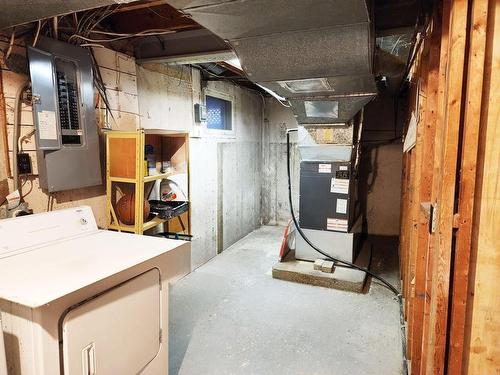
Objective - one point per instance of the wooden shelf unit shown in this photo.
(125, 173)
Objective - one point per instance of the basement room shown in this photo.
(249, 187)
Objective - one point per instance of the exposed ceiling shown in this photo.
(187, 41)
(16, 12)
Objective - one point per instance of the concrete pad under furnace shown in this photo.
(342, 278)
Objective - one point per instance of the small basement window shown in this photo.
(219, 113)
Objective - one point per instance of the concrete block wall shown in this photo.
(275, 206)
(380, 170)
(225, 170)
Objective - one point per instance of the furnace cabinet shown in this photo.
(327, 190)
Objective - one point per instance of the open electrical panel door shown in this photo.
(44, 99)
(116, 332)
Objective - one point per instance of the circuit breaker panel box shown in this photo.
(326, 190)
(64, 116)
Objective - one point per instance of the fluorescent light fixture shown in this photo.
(306, 85)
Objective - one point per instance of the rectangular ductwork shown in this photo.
(306, 53)
(340, 85)
(330, 110)
(317, 53)
(233, 20)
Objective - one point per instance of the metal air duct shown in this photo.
(310, 53)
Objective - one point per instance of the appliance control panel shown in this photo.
(21, 234)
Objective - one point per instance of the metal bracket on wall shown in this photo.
(36, 99)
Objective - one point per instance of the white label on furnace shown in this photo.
(47, 125)
(338, 225)
(339, 186)
(324, 168)
(342, 167)
(341, 206)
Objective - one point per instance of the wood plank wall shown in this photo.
(450, 196)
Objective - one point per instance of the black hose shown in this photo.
(302, 234)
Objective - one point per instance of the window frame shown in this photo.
(219, 132)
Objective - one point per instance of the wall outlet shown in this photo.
(24, 163)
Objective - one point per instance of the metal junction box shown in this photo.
(64, 116)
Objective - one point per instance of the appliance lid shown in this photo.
(42, 275)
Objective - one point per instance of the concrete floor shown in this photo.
(231, 317)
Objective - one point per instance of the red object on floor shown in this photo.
(283, 251)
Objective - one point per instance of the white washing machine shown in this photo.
(78, 300)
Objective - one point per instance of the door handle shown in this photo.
(88, 360)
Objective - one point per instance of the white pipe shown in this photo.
(15, 133)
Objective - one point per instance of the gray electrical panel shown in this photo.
(64, 116)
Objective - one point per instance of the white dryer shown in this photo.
(3, 361)
(78, 300)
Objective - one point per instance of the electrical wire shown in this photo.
(106, 13)
(317, 249)
(151, 32)
(38, 29)
(280, 99)
(11, 44)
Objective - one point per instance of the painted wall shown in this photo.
(380, 176)
(225, 170)
(275, 206)
(381, 165)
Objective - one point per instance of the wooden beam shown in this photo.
(411, 244)
(231, 68)
(446, 179)
(439, 123)
(140, 5)
(472, 116)
(418, 97)
(481, 352)
(427, 134)
(403, 253)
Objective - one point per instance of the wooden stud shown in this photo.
(410, 249)
(481, 349)
(426, 147)
(451, 108)
(5, 171)
(472, 111)
(444, 16)
(140, 5)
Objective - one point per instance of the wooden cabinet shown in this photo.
(127, 173)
